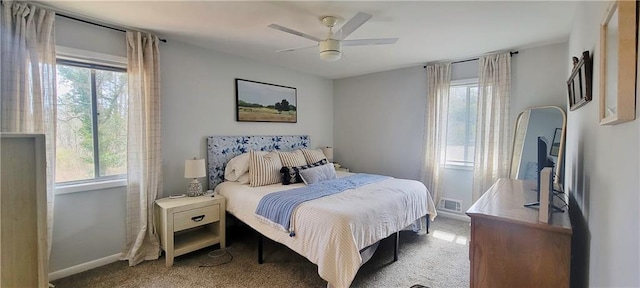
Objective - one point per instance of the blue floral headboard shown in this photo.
(220, 149)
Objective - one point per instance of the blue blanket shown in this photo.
(278, 206)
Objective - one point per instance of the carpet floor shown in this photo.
(439, 259)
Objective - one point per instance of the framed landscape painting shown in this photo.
(263, 102)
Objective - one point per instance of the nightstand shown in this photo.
(190, 223)
(339, 167)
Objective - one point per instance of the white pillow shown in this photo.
(313, 156)
(264, 169)
(318, 174)
(292, 158)
(244, 179)
(237, 167)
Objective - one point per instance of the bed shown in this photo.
(338, 232)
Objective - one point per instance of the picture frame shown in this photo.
(618, 50)
(264, 102)
(580, 82)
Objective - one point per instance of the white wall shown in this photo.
(74, 34)
(538, 77)
(457, 184)
(379, 117)
(198, 100)
(602, 173)
(464, 70)
(87, 226)
(379, 120)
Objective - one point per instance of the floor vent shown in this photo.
(451, 205)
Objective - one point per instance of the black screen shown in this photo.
(544, 160)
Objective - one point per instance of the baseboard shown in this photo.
(454, 216)
(83, 267)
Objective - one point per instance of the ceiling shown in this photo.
(428, 31)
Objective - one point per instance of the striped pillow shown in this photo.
(264, 168)
(293, 158)
(313, 156)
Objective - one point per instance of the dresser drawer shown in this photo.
(196, 217)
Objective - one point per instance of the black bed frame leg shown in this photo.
(260, 261)
(395, 247)
(428, 223)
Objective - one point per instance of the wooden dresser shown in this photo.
(509, 247)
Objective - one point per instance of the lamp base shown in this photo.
(195, 188)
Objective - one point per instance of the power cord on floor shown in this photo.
(217, 255)
(561, 198)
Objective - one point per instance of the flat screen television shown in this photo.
(544, 160)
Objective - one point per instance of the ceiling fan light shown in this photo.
(330, 55)
(330, 50)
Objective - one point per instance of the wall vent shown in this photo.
(451, 205)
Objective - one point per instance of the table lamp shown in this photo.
(194, 169)
(328, 152)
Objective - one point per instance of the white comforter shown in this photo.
(331, 231)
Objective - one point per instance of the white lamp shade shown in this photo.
(328, 152)
(330, 50)
(330, 56)
(194, 168)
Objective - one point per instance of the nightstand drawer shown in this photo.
(196, 217)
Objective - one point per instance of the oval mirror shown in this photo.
(539, 136)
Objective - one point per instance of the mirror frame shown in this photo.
(563, 134)
(624, 106)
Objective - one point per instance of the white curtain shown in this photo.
(28, 85)
(144, 158)
(492, 125)
(521, 132)
(435, 134)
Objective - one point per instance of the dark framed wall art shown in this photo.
(580, 82)
(264, 102)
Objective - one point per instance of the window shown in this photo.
(92, 122)
(461, 128)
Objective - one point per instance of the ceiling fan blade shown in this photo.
(362, 42)
(294, 32)
(295, 49)
(351, 25)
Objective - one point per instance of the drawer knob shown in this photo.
(197, 218)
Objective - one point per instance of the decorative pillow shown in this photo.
(318, 174)
(293, 158)
(237, 167)
(313, 156)
(244, 179)
(291, 175)
(264, 169)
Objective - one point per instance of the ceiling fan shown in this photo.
(331, 47)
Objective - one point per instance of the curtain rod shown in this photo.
(511, 53)
(98, 24)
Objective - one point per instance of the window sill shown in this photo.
(458, 167)
(91, 186)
